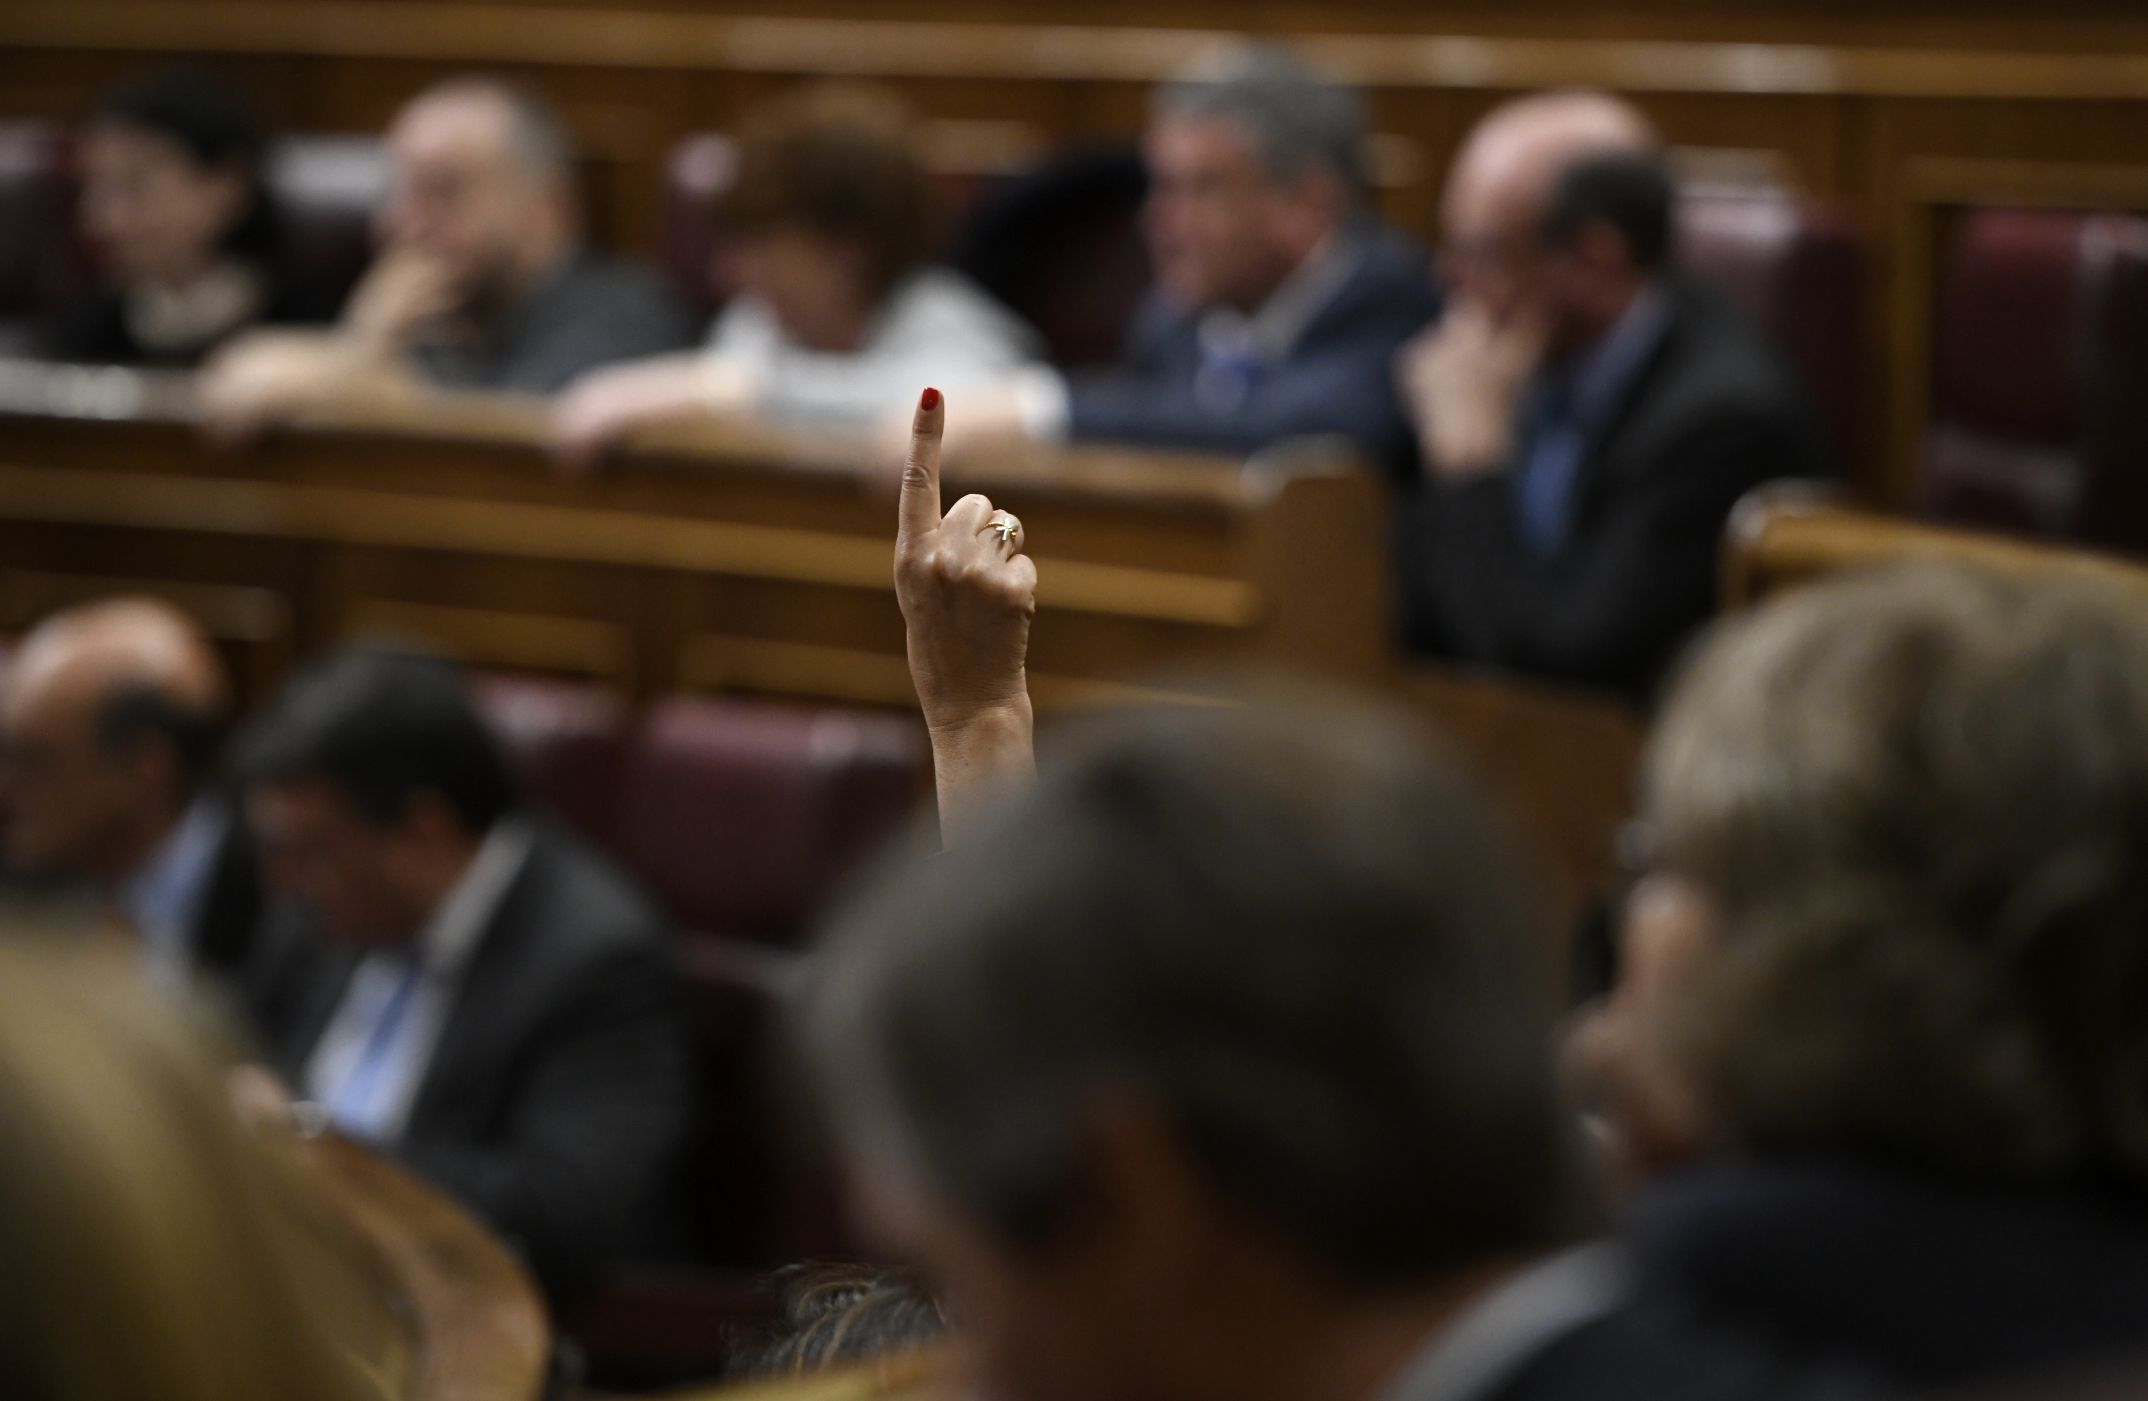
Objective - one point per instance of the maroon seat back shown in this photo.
(1798, 269)
(744, 819)
(2039, 372)
(329, 190)
(700, 169)
(568, 743)
(41, 264)
(1062, 246)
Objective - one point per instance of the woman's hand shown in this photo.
(967, 593)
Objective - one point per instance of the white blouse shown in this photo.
(936, 328)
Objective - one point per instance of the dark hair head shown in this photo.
(840, 163)
(1300, 938)
(212, 126)
(1633, 194)
(844, 1315)
(136, 714)
(382, 727)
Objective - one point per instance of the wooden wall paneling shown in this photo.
(549, 616)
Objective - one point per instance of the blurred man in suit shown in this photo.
(110, 728)
(471, 988)
(1588, 417)
(483, 281)
(1280, 298)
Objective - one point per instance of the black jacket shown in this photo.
(1713, 413)
(1932, 1286)
(560, 1098)
(229, 920)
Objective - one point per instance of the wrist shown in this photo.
(981, 724)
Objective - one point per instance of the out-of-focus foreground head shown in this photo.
(155, 1247)
(1501, 190)
(1254, 162)
(484, 186)
(1235, 1024)
(843, 1317)
(1913, 805)
(110, 723)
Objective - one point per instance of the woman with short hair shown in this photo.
(840, 313)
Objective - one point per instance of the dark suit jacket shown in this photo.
(560, 1098)
(1933, 1286)
(1337, 381)
(232, 911)
(1713, 413)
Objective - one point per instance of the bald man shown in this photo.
(483, 281)
(110, 723)
(1587, 415)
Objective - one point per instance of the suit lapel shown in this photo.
(493, 970)
(1600, 451)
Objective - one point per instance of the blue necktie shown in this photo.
(1544, 487)
(360, 1105)
(1225, 379)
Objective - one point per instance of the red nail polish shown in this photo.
(930, 401)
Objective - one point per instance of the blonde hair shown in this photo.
(154, 1248)
(1920, 800)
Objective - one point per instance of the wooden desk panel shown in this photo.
(733, 560)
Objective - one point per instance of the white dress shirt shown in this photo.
(163, 899)
(370, 1061)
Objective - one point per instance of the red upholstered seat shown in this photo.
(1798, 269)
(2040, 376)
(745, 818)
(329, 188)
(41, 263)
(569, 745)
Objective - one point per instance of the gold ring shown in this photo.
(1008, 527)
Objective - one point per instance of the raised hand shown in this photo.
(967, 593)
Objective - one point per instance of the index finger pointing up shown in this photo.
(919, 513)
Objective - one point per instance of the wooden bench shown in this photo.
(1781, 537)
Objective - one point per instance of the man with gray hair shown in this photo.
(483, 281)
(1280, 299)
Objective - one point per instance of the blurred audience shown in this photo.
(483, 281)
(841, 1317)
(1281, 300)
(1886, 1019)
(111, 727)
(467, 987)
(182, 230)
(154, 1247)
(839, 315)
(1588, 415)
(1215, 1063)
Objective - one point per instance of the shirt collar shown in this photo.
(460, 920)
(1599, 376)
(163, 895)
(1502, 1333)
(1271, 332)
